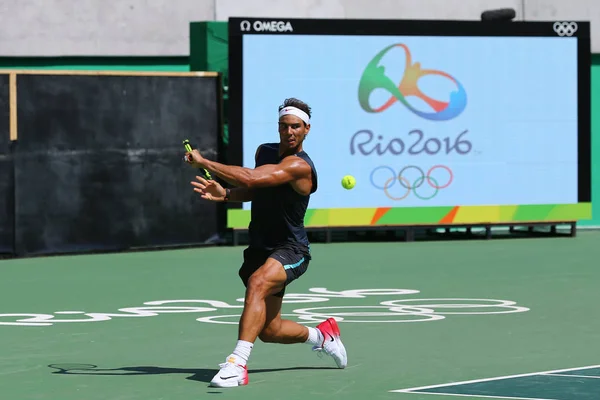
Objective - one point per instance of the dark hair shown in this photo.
(292, 102)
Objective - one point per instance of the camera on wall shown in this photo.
(500, 14)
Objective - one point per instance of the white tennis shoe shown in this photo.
(332, 343)
(230, 375)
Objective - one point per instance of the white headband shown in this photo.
(295, 111)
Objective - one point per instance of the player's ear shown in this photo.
(307, 127)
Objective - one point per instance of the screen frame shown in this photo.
(440, 28)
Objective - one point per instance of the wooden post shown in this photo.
(12, 89)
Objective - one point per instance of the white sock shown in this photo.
(315, 337)
(241, 353)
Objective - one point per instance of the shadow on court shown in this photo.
(195, 374)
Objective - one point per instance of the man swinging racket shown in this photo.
(279, 188)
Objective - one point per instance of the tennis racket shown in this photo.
(188, 147)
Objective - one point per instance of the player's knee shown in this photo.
(258, 285)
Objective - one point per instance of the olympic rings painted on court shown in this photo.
(565, 28)
(392, 311)
(405, 183)
(387, 311)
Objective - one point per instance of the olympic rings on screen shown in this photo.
(415, 185)
(565, 28)
(406, 184)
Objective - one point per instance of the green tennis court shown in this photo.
(515, 318)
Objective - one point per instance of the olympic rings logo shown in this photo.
(401, 178)
(565, 28)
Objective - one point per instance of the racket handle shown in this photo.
(188, 147)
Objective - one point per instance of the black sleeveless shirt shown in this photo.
(277, 213)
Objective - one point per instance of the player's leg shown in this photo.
(325, 337)
(266, 281)
(261, 282)
(265, 286)
(278, 330)
(285, 331)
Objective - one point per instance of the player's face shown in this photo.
(292, 131)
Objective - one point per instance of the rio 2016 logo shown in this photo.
(374, 78)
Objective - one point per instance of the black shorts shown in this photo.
(295, 262)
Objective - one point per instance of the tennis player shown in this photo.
(279, 188)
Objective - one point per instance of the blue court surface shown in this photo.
(566, 384)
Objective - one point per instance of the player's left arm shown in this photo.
(288, 170)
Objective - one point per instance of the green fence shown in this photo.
(595, 221)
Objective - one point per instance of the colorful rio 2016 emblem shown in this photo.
(374, 77)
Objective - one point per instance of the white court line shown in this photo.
(490, 379)
(574, 376)
(485, 397)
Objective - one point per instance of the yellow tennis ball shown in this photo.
(348, 182)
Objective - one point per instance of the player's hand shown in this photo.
(194, 158)
(209, 190)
